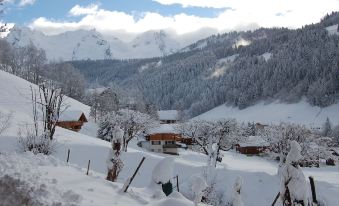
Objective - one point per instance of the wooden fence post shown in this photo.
(89, 162)
(314, 195)
(178, 183)
(69, 151)
(135, 172)
(276, 197)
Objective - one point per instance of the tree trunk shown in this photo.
(112, 174)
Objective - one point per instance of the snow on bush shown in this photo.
(37, 143)
(294, 189)
(114, 162)
(174, 199)
(197, 186)
(163, 171)
(22, 184)
(237, 200)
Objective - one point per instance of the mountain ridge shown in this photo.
(91, 44)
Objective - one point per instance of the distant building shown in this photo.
(168, 116)
(252, 146)
(259, 127)
(72, 120)
(164, 139)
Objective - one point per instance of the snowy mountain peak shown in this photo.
(72, 45)
(90, 44)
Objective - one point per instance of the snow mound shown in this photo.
(174, 199)
(163, 171)
(22, 184)
(294, 154)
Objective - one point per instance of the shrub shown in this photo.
(37, 143)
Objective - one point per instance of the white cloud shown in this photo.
(26, 2)
(197, 3)
(78, 10)
(243, 15)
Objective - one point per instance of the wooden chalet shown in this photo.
(254, 145)
(163, 139)
(72, 120)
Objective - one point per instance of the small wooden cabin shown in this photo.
(254, 145)
(72, 120)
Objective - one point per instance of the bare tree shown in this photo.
(35, 62)
(131, 122)
(211, 136)
(68, 78)
(46, 107)
(52, 102)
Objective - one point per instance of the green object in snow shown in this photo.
(167, 188)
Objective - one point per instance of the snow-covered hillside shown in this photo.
(15, 96)
(334, 29)
(301, 113)
(83, 44)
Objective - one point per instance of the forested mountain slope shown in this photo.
(237, 68)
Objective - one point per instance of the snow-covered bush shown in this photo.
(294, 190)
(161, 174)
(237, 200)
(198, 186)
(38, 144)
(114, 162)
(280, 136)
(23, 183)
(174, 199)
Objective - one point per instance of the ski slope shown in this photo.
(274, 113)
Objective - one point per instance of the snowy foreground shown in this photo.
(57, 181)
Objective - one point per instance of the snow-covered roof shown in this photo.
(168, 115)
(163, 128)
(70, 116)
(254, 141)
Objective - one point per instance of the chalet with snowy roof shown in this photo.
(163, 139)
(72, 120)
(253, 145)
(168, 116)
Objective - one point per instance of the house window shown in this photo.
(169, 142)
(156, 142)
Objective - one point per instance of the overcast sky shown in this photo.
(182, 16)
